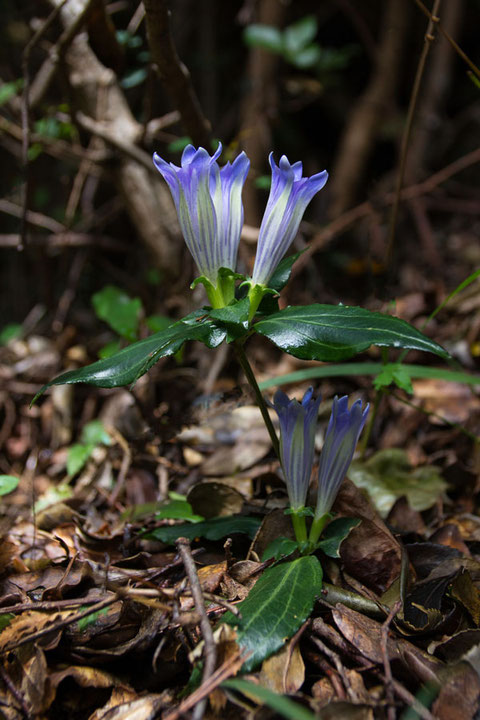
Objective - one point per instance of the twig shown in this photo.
(33, 218)
(60, 624)
(386, 660)
(342, 223)
(127, 148)
(68, 294)
(46, 605)
(25, 115)
(229, 668)
(15, 692)
(448, 37)
(47, 71)
(333, 656)
(173, 73)
(66, 239)
(407, 697)
(210, 652)
(124, 467)
(429, 36)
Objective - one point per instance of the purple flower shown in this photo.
(289, 196)
(297, 442)
(209, 206)
(343, 431)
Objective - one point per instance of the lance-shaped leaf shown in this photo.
(335, 332)
(133, 361)
(277, 605)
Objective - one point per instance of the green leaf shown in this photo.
(110, 349)
(263, 182)
(334, 534)
(8, 483)
(78, 455)
(90, 619)
(135, 360)
(8, 90)
(94, 433)
(116, 308)
(10, 332)
(178, 510)
(394, 373)
(279, 703)
(368, 368)
(282, 273)
(297, 36)
(277, 605)
(388, 475)
(210, 529)
(336, 332)
(5, 620)
(232, 318)
(264, 36)
(279, 547)
(179, 144)
(133, 78)
(156, 323)
(306, 58)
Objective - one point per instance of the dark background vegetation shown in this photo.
(345, 113)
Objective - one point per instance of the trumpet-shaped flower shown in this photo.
(208, 200)
(297, 441)
(290, 193)
(341, 438)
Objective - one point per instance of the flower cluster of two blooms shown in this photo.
(208, 200)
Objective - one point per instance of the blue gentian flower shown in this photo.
(290, 193)
(297, 443)
(208, 200)
(341, 438)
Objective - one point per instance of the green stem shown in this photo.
(215, 296)
(299, 527)
(317, 526)
(247, 369)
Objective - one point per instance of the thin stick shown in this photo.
(61, 624)
(429, 36)
(389, 690)
(448, 37)
(342, 223)
(249, 374)
(210, 652)
(15, 692)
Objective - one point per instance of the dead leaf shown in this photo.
(215, 499)
(274, 525)
(454, 401)
(459, 696)
(143, 708)
(370, 553)
(284, 672)
(467, 594)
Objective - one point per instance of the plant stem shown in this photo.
(317, 526)
(247, 369)
(299, 527)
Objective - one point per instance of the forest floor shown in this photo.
(99, 602)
